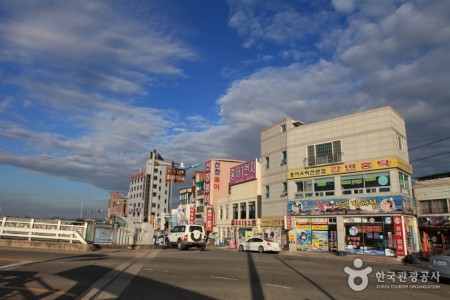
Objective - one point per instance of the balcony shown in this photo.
(328, 159)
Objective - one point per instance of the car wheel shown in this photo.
(241, 248)
(202, 248)
(180, 245)
(260, 249)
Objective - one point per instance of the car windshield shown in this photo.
(269, 241)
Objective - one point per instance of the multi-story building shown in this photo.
(149, 193)
(215, 186)
(340, 185)
(239, 213)
(116, 205)
(433, 195)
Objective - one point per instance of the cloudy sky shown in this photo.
(89, 88)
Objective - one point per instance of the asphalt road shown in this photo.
(210, 274)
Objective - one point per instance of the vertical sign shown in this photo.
(216, 175)
(288, 222)
(207, 194)
(398, 231)
(192, 216)
(209, 219)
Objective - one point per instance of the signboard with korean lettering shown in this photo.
(192, 215)
(272, 222)
(209, 219)
(216, 175)
(392, 204)
(243, 172)
(360, 166)
(207, 187)
(398, 232)
(175, 175)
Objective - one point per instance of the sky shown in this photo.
(89, 88)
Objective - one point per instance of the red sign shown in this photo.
(398, 231)
(207, 195)
(192, 216)
(209, 219)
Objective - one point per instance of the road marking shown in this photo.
(16, 265)
(163, 271)
(39, 290)
(279, 286)
(224, 278)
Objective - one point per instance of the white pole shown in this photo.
(81, 211)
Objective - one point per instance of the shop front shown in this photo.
(434, 234)
(272, 229)
(367, 225)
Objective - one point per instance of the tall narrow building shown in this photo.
(149, 193)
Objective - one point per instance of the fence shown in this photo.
(43, 230)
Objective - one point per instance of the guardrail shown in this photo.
(37, 229)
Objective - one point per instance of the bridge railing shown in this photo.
(40, 230)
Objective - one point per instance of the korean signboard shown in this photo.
(243, 172)
(207, 186)
(209, 219)
(360, 166)
(175, 175)
(398, 231)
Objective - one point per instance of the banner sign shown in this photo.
(192, 215)
(398, 231)
(353, 206)
(207, 194)
(243, 172)
(272, 222)
(361, 166)
(209, 219)
(175, 175)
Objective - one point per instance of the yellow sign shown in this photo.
(272, 222)
(319, 227)
(351, 167)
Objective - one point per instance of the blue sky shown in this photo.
(89, 88)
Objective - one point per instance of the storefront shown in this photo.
(434, 234)
(272, 229)
(367, 225)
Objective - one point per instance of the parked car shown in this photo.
(260, 245)
(186, 236)
(441, 263)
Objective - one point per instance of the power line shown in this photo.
(436, 155)
(429, 143)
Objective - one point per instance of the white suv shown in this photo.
(185, 236)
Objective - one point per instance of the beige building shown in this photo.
(340, 184)
(238, 215)
(433, 194)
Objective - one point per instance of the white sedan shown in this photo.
(260, 245)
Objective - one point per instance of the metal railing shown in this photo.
(43, 230)
(331, 158)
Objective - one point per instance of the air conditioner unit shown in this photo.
(283, 194)
(283, 162)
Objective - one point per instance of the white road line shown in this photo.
(224, 278)
(16, 265)
(279, 286)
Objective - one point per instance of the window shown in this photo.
(221, 212)
(235, 211)
(322, 154)
(226, 211)
(316, 187)
(252, 210)
(283, 157)
(284, 189)
(404, 183)
(267, 191)
(400, 142)
(433, 206)
(283, 128)
(366, 183)
(243, 211)
(267, 162)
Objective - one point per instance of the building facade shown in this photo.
(340, 185)
(116, 205)
(433, 195)
(149, 193)
(238, 213)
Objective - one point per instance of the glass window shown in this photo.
(267, 191)
(267, 162)
(283, 157)
(243, 211)
(366, 183)
(324, 184)
(404, 183)
(252, 210)
(325, 153)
